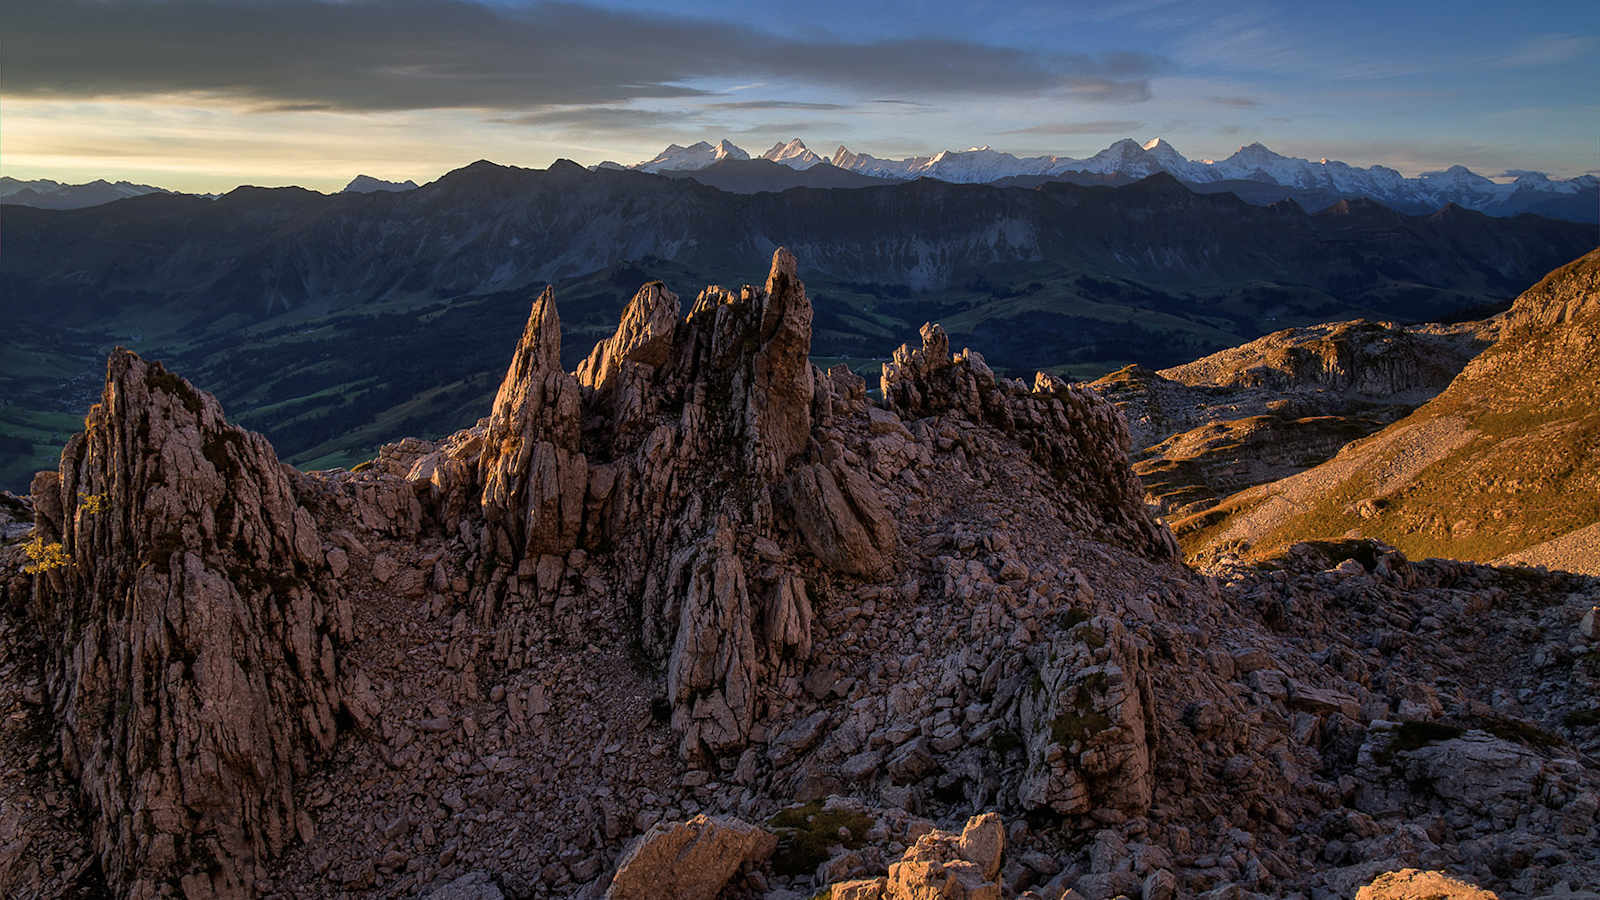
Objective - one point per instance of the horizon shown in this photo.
(198, 95)
(335, 184)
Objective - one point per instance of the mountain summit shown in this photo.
(1314, 184)
(366, 184)
(794, 154)
(694, 156)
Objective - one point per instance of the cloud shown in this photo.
(597, 118)
(1236, 102)
(1106, 90)
(1546, 50)
(773, 104)
(1518, 173)
(428, 54)
(1106, 126)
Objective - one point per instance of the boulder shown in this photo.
(690, 860)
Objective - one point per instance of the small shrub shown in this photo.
(806, 832)
(92, 504)
(44, 557)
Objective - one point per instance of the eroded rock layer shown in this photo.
(192, 635)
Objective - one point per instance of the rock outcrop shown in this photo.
(690, 860)
(1413, 884)
(192, 671)
(1280, 404)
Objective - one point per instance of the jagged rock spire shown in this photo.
(194, 676)
(532, 470)
(643, 337)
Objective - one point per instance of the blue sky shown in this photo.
(207, 94)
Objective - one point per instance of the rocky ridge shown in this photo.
(1498, 465)
(1279, 404)
(699, 577)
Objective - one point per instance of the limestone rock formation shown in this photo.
(1413, 884)
(690, 860)
(941, 865)
(192, 675)
(701, 577)
(1064, 427)
(1087, 722)
(1280, 404)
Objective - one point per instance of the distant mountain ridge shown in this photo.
(45, 193)
(1313, 184)
(366, 184)
(295, 304)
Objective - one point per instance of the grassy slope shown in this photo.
(1506, 458)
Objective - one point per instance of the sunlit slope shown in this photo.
(1505, 462)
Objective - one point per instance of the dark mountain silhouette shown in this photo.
(295, 305)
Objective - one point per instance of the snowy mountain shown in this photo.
(366, 184)
(694, 156)
(793, 154)
(1311, 183)
(47, 194)
(879, 168)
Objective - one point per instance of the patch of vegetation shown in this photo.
(1088, 634)
(43, 557)
(806, 832)
(362, 466)
(1083, 721)
(92, 504)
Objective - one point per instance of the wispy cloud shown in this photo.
(773, 104)
(1104, 126)
(1546, 50)
(597, 118)
(1236, 102)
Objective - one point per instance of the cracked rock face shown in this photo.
(195, 673)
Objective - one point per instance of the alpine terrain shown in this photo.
(685, 615)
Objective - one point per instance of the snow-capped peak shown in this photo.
(1128, 158)
(727, 149)
(695, 156)
(794, 154)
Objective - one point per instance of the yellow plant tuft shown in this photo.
(45, 557)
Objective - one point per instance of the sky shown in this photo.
(204, 95)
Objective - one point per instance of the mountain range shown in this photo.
(1314, 184)
(1254, 173)
(44, 193)
(295, 305)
